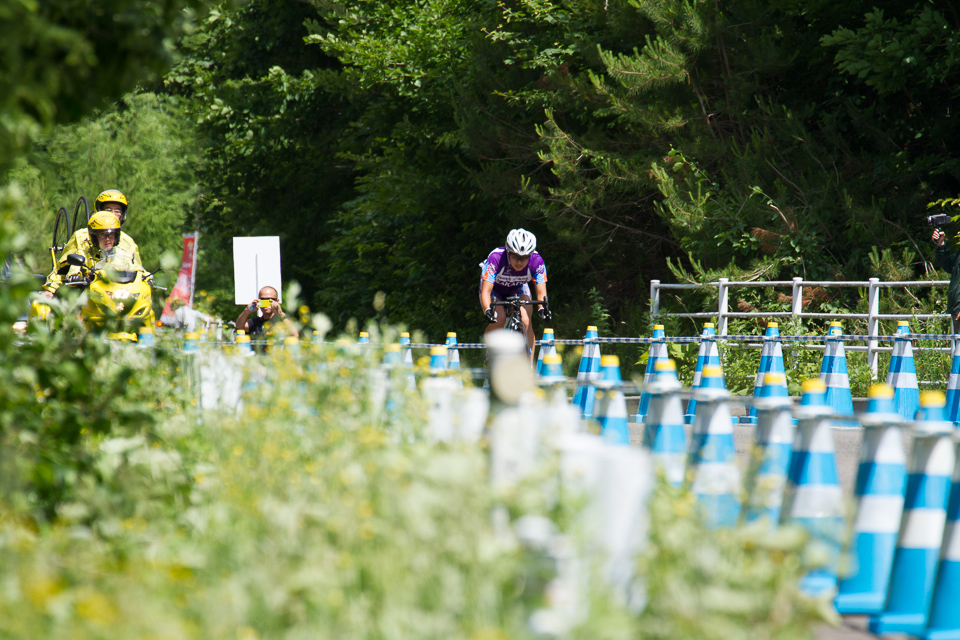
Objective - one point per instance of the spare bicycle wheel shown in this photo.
(62, 231)
(79, 222)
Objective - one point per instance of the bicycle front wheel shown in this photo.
(522, 330)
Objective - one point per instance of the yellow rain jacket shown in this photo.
(82, 244)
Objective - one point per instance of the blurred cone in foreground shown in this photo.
(614, 419)
(932, 462)
(814, 497)
(767, 473)
(881, 481)
(715, 476)
(663, 431)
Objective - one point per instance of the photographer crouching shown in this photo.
(949, 261)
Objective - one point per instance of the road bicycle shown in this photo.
(514, 321)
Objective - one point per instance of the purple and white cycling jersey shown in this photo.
(506, 280)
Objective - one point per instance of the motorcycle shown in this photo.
(119, 297)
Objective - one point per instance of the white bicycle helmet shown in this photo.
(521, 242)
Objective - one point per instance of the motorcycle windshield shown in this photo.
(118, 266)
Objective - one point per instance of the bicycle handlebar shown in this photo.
(514, 301)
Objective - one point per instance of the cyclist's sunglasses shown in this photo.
(517, 256)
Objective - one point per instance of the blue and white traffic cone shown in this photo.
(932, 463)
(551, 373)
(613, 422)
(438, 360)
(438, 391)
(906, 392)
(586, 394)
(664, 434)
(944, 620)
(657, 352)
(406, 359)
(814, 498)
(190, 343)
(953, 386)
(833, 372)
(391, 356)
(453, 358)
(881, 481)
(406, 353)
(391, 361)
(715, 477)
(707, 356)
(243, 345)
(146, 337)
(771, 361)
(903, 328)
(767, 472)
(547, 347)
(453, 354)
(364, 338)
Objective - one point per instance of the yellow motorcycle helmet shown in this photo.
(112, 195)
(103, 221)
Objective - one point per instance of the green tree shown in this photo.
(59, 60)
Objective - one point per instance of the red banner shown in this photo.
(183, 290)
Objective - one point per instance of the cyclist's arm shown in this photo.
(541, 291)
(486, 291)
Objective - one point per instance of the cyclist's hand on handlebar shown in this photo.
(491, 315)
(545, 314)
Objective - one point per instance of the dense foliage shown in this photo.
(58, 60)
(742, 139)
(391, 145)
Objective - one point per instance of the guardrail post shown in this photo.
(654, 300)
(723, 307)
(796, 308)
(873, 323)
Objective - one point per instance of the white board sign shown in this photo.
(256, 264)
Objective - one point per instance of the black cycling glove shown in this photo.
(491, 315)
(544, 311)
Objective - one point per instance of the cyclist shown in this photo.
(102, 233)
(508, 271)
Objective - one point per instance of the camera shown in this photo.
(938, 220)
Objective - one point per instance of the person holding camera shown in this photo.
(949, 261)
(268, 312)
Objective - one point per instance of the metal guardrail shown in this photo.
(873, 315)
